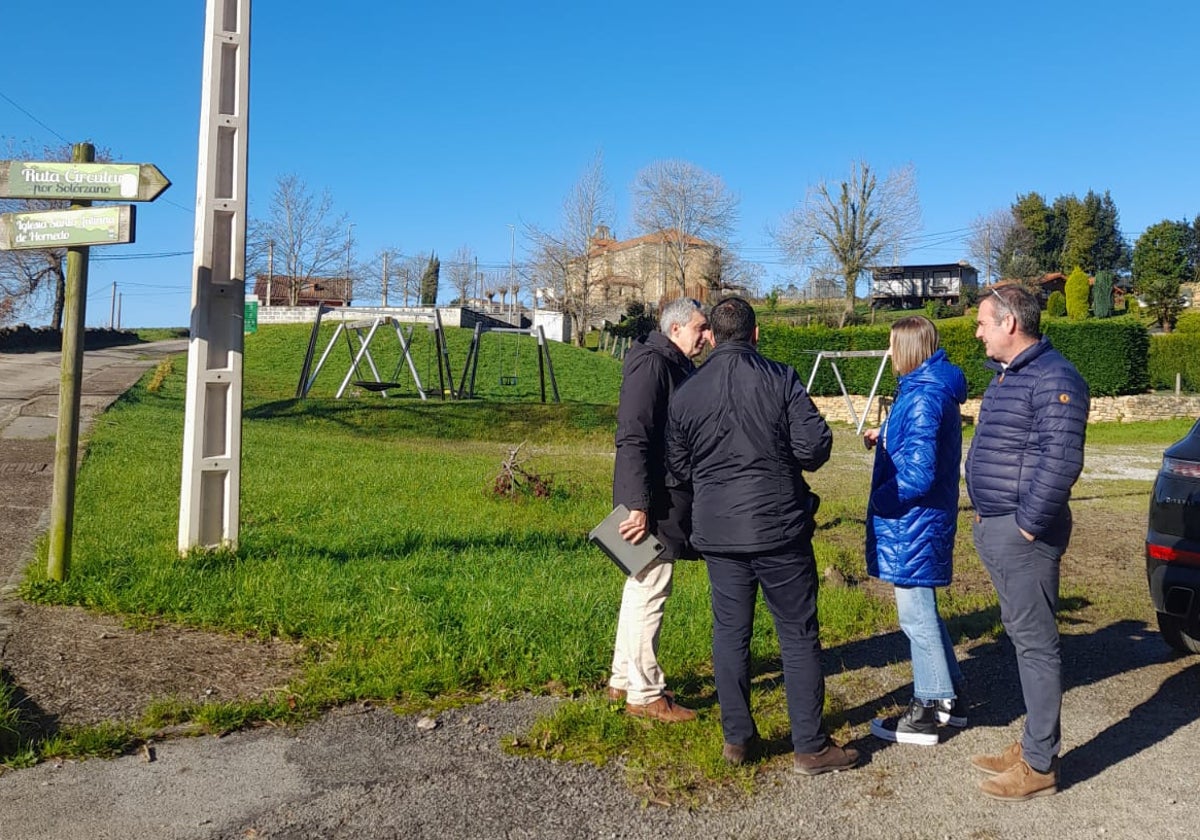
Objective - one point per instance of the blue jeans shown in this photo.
(936, 675)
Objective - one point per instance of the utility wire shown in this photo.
(12, 102)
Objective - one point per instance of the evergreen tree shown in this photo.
(1102, 294)
(1077, 294)
(1056, 304)
(429, 281)
(1160, 265)
(1035, 236)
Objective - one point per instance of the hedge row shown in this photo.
(1177, 352)
(24, 338)
(1112, 354)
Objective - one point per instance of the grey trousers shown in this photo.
(1025, 575)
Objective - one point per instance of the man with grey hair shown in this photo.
(654, 367)
(1026, 455)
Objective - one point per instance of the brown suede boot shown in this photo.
(996, 764)
(1021, 782)
(830, 759)
(663, 709)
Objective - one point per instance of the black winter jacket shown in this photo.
(654, 368)
(742, 430)
(1028, 446)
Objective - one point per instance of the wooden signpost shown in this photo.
(67, 228)
(81, 181)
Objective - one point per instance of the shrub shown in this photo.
(1056, 305)
(1173, 353)
(1189, 322)
(1112, 355)
(1077, 294)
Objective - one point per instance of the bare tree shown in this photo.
(310, 242)
(688, 206)
(461, 271)
(33, 281)
(563, 263)
(379, 278)
(850, 223)
(990, 242)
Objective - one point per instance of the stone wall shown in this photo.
(1126, 409)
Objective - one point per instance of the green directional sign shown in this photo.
(81, 181)
(67, 228)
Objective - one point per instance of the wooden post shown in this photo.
(70, 386)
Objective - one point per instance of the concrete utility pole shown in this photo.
(270, 270)
(349, 228)
(112, 308)
(70, 387)
(385, 278)
(210, 496)
(512, 253)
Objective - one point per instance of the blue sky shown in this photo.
(436, 125)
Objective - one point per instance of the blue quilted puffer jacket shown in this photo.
(1028, 446)
(912, 515)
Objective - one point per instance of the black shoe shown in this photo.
(918, 725)
(953, 712)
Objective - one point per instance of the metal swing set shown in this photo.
(366, 330)
(832, 356)
(466, 386)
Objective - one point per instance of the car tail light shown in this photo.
(1173, 555)
(1180, 467)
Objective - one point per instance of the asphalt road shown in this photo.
(1131, 767)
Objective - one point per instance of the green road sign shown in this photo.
(67, 228)
(250, 324)
(81, 181)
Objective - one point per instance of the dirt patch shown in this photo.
(73, 667)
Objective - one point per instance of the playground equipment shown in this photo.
(466, 385)
(366, 330)
(833, 356)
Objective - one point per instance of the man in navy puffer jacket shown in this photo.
(1026, 455)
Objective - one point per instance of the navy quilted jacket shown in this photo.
(1028, 445)
(912, 515)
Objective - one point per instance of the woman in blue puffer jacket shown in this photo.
(912, 517)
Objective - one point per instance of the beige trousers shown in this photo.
(635, 656)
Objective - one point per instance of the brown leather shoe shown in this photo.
(995, 764)
(617, 695)
(736, 754)
(663, 709)
(1021, 782)
(829, 759)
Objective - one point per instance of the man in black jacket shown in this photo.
(742, 431)
(654, 368)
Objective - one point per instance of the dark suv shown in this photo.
(1173, 544)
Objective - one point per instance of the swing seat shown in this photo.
(372, 385)
(508, 380)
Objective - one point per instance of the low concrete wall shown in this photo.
(1126, 409)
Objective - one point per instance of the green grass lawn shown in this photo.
(371, 534)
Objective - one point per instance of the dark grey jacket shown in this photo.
(654, 368)
(742, 430)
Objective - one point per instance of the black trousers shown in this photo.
(788, 578)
